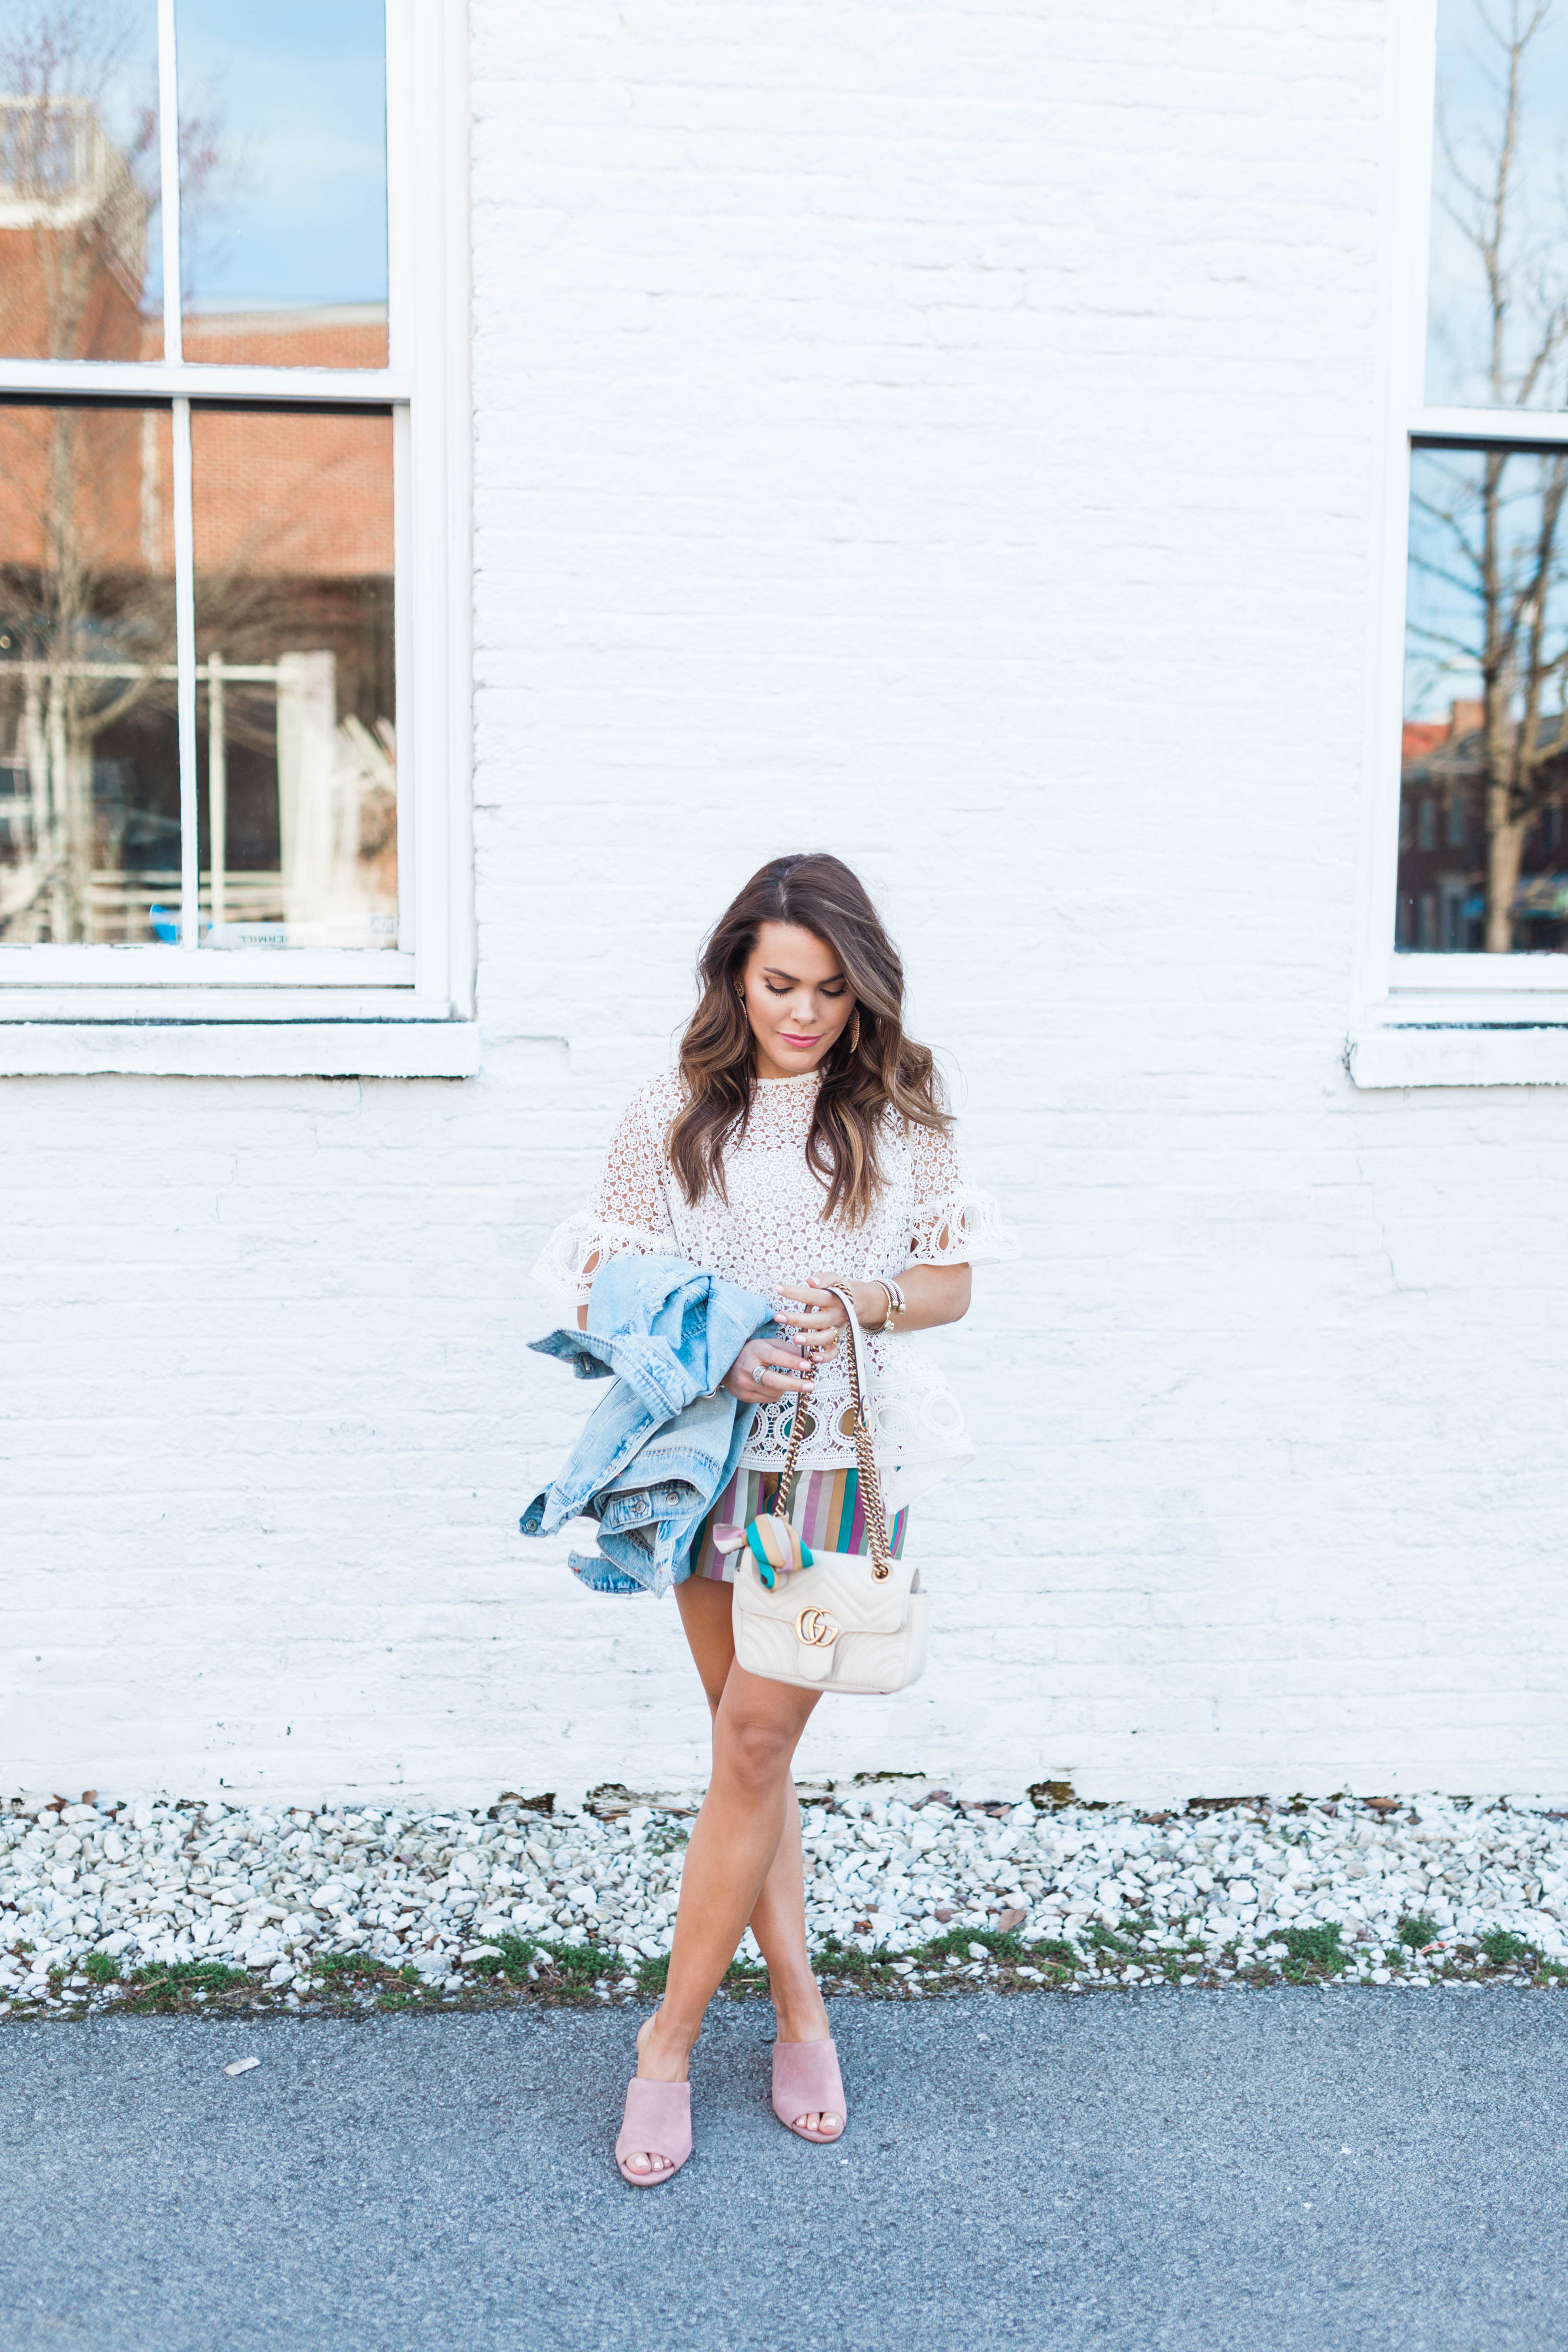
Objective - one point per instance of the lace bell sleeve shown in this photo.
(630, 1213)
(954, 1222)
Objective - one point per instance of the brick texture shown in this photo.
(947, 434)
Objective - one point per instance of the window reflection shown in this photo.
(78, 180)
(1498, 282)
(89, 791)
(295, 699)
(1482, 865)
(284, 182)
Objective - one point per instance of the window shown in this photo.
(1466, 921)
(233, 426)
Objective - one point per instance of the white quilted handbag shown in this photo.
(830, 1621)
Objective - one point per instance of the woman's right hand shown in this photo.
(766, 1370)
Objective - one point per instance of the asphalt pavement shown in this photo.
(1155, 2171)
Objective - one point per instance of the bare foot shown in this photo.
(829, 2125)
(801, 2025)
(654, 2065)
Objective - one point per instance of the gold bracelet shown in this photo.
(895, 1304)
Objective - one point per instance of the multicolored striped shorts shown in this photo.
(826, 1511)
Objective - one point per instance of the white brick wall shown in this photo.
(946, 433)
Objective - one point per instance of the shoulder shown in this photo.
(924, 1138)
(937, 1098)
(655, 1103)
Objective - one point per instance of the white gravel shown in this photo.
(267, 1889)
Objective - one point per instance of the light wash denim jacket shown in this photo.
(663, 1444)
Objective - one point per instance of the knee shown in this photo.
(757, 1753)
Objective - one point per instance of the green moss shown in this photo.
(164, 1985)
(511, 1958)
(1100, 1938)
(955, 1945)
(564, 1966)
(572, 1968)
(838, 1959)
(1318, 1948)
(186, 1975)
(1060, 1955)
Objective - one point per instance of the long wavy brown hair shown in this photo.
(871, 1067)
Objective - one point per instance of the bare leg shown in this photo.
(778, 1915)
(734, 1848)
(779, 1923)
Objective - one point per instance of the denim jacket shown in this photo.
(662, 1445)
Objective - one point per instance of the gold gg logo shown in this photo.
(817, 1629)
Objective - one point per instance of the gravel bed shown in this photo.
(158, 1903)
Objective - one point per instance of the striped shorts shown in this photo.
(826, 1511)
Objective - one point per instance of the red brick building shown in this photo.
(293, 560)
(1442, 846)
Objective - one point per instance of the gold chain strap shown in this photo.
(871, 1484)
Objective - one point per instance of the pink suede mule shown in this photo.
(657, 2122)
(807, 2082)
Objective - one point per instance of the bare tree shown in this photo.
(1494, 545)
(88, 588)
(91, 196)
(87, 626)
(76, 276)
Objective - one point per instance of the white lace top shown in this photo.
(769, 1233)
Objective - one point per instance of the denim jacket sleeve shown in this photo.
(659, 1445)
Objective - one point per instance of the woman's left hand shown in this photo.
(819, 1319)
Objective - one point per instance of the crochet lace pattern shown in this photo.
(771, 1231)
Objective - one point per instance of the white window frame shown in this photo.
(1430, 1019)
(340, 1011)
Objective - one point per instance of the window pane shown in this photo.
(296, 712)
(1483, 863)
(89, 785)
(1499, 195)
(79, 255)
(283, 207)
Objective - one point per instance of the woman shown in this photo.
(802, 1140)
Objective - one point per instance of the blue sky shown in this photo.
(1467, 65)
(300, 89)
(1442, 594)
